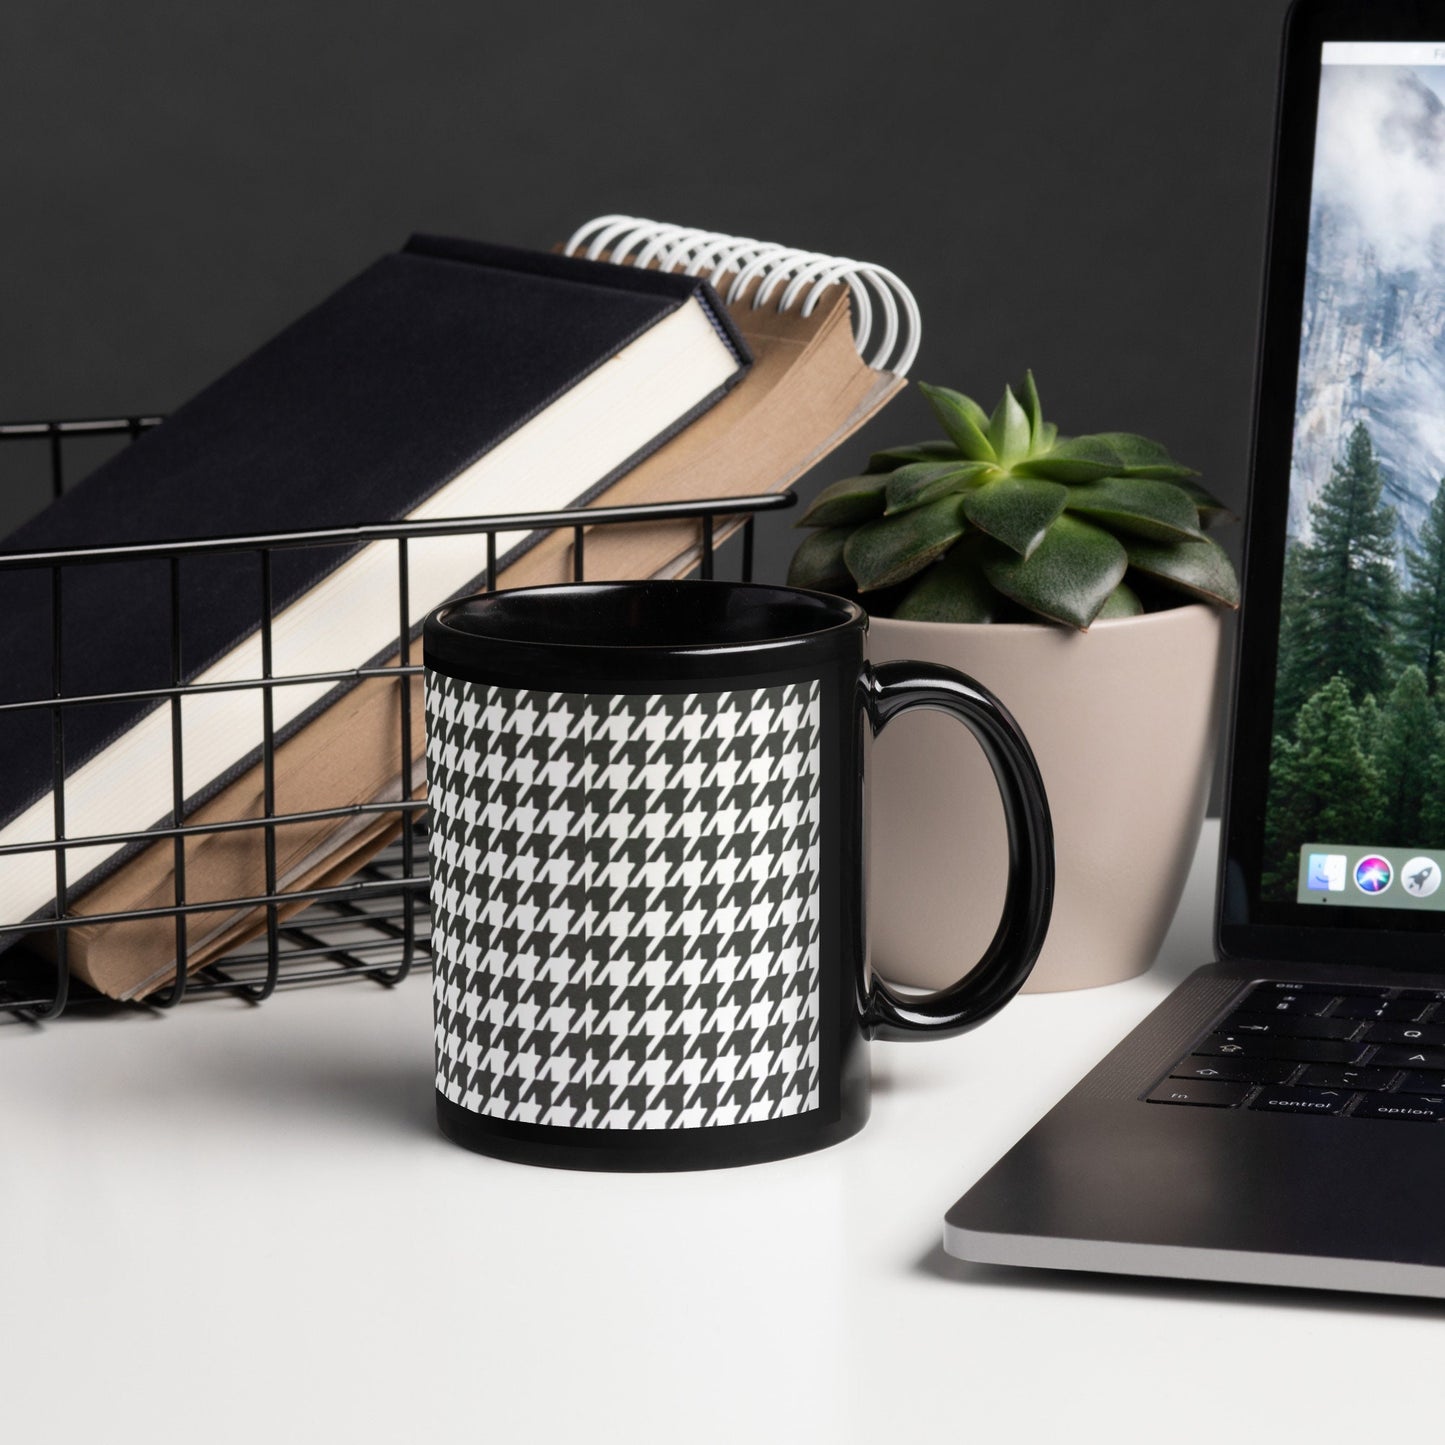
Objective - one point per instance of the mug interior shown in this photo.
(660, 614)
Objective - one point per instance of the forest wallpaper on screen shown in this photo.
(1359, 710)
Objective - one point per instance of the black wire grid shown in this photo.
(374, 926)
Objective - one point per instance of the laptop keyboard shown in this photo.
(1296, 1048)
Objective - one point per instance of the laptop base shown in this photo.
(1109, 1182)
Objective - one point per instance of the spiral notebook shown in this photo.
(831, 341)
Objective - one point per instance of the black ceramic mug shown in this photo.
(647, 871)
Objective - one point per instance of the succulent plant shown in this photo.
(1007, 520)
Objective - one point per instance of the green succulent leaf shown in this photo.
(1017, 511)
(1210, 508)
(1049, 525)
(1076, 459)
(1138, 505)
(953, 589)
(818, 563)
(1009, 431)
(963, 419)
(891, 457)
(921, 482)
(1030, 399)
(1201, 568)
(1123, 602)
(1068, 577)
(893, 549)
(853, 500)
(1144, 458)
(970, 408)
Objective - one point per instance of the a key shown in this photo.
(1400, 1106)
(1204, 1092)
(1405, 1056)
(1302, 1101)
(1326, 990)
(1423, 1084)
(1279, 1005)
(1428, 1035)
(1287, 1026)
(1253, 1046)
(1405, 1010)
(1241, 1071)
(1331, 1076)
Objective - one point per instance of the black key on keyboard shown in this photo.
(1339, 1049)
(1403, 1056)
(1422, 1035)
(1284, 1004)
(1302, 1101)
(1331, 1076)
(1405, 1010)
(1289, 1027)
(1305, 1051)
(1239, 1071)
(1328, 990)
(1400, 1106)
(1207, 1092)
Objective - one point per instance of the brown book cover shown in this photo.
(808, 390)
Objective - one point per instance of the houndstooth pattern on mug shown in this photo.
(625, 894)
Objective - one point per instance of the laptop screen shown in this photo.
(1355, 806)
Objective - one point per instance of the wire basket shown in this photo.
(375, 925)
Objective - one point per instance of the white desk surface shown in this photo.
(236, 1224)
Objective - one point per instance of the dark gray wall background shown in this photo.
(1076, 188)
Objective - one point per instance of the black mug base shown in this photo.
(644, 1151)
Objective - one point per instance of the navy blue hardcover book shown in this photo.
(448, 379)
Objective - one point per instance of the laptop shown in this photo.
(1280, 1117)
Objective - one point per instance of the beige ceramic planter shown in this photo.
(1122, 721)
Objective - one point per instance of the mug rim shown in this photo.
(440, 623)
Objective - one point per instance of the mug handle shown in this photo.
(897, 687)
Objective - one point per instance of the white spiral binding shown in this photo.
(801, 275)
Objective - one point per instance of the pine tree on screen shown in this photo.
(1406, 759)
(1292, 679)
(1422, 609)
(1343, 595)
(1325, 785)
